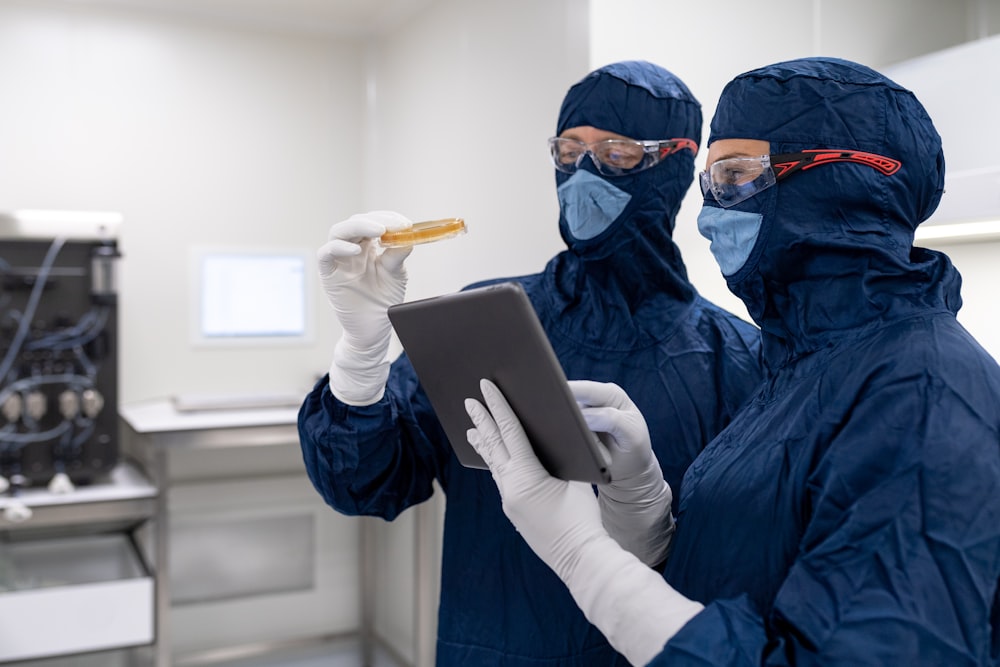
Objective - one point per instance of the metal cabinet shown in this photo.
(207, 542)
(249, 558)
(76, 574)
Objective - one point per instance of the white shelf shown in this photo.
(93, 590)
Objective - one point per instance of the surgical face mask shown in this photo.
(732, 233)
(590, 204)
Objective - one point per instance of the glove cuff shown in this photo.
(644, 526)
(632, 605)
(368, 349)
(646, 483)
(358, 378)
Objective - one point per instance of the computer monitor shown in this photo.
(253, 297)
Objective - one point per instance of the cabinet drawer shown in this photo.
(70, 595)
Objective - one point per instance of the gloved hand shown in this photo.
(635, 506)
(631, 604)
(361, 281)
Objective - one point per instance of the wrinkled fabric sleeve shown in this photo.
(377, 459)
(898, 561)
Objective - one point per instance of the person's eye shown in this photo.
(569, 154)
(622, 155)
(728, 175)
(735, 173)
(615, 158)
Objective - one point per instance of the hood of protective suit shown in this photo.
(835, 250)
(620, 271)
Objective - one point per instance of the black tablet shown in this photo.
(492, 332)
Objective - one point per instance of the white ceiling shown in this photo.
(334, 17)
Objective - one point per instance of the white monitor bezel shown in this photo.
(198, 336)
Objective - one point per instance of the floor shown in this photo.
(342, 653)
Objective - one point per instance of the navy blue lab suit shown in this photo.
(850, 514)
(618, 308)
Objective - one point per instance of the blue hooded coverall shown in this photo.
(617, 307)
(850, 515)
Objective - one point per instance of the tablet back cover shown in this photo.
(493, 332)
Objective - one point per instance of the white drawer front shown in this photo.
(69, 595)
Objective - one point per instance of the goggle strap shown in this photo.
(788, 163)
(676, 146)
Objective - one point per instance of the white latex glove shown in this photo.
(635, 506)
(631, 604)
(361, 281)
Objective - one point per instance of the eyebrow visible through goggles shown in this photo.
(785, 164)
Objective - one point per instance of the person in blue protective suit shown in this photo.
(850, 513)
(616, 305)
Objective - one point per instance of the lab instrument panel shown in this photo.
(58, 359)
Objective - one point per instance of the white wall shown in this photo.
(204, 134)
(466, 97)
(200, 135)
(707, 44)
(951, 85)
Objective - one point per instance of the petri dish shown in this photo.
(424, 232)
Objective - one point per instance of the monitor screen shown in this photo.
(252, 296)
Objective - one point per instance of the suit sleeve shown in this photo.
(378, 459)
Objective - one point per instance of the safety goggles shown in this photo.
(615, 157)
(737, 179)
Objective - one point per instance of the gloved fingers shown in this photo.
(590, 393)
(392, 258)
(518, 446)
(356, 229)
(485, 438)
(609, 421)
(391, 220)
(332, 251)
(346, 240)
(608, 409)
(346, 237)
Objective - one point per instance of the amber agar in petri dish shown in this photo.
(424, 232)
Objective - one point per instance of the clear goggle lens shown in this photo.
(614, 157)
(737, 179)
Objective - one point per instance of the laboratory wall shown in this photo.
(201, 135)
(972, 178)
(707, 44)
(210, 135)
(463, 100)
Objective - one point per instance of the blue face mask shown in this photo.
(732, 233)
(590, 204)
